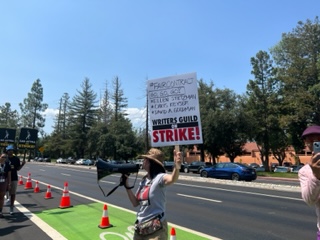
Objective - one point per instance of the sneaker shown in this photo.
(11, 210)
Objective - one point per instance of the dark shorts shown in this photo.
(13, 188)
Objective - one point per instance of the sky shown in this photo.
(62, 42)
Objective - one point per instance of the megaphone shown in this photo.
(105, 169)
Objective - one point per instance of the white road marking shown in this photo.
(51, 232)
(107, 182)
(201, 198)
(64, 174)
(243, 192)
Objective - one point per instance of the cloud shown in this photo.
(137, 117)
(51, 113)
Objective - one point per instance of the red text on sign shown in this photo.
(176, 134)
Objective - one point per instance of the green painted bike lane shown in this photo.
(82, 222)
(82, 219)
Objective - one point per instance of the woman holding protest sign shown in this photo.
(151, 220)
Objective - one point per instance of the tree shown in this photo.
(8, 118)
(59, 143)
(82, 115)
(119, 101)
(124, 138)
(62, 117)
(223, 121)
(263, 102)
(279, 144)
(106, 110)
(297, 59)
(33, 108)
(208, 104)
(232, 123)
(101, 141)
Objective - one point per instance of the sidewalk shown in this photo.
(19, 227)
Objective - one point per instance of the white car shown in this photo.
(282, 169)
(88, 162)
(80, 161)
(61, 160)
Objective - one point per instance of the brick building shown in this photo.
(251, 155)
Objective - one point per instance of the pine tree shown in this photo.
(33, 108)
(83, 114)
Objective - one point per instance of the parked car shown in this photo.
(254, 165)
(79, 161)
(169, 165)
(88, 162)
(196, 166)
(139, 162)
(61, 160)
(282, 169)
(228, 170)
(273, 166)
(287, 164)
(261, 168)
(70, 160)
(296, 168)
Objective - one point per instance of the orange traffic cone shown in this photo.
(20, 180)
(65, 199)
(36, 188)
(28, 184)
(105, 219)
(173, 234)
(48, 193)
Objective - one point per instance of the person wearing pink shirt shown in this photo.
(309, 174)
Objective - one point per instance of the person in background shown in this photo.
(5, 179)
(309, 174)
(15, 167)
(151, 220)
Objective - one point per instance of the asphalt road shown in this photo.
(227, 211)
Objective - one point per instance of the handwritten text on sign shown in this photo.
(174, 110)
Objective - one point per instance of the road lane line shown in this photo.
(237, 191)
(107, 182)
(64, 174)
(50, 231)
(201, 198)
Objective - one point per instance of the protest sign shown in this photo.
(7, 136)
(28, 138)
(173, 106)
